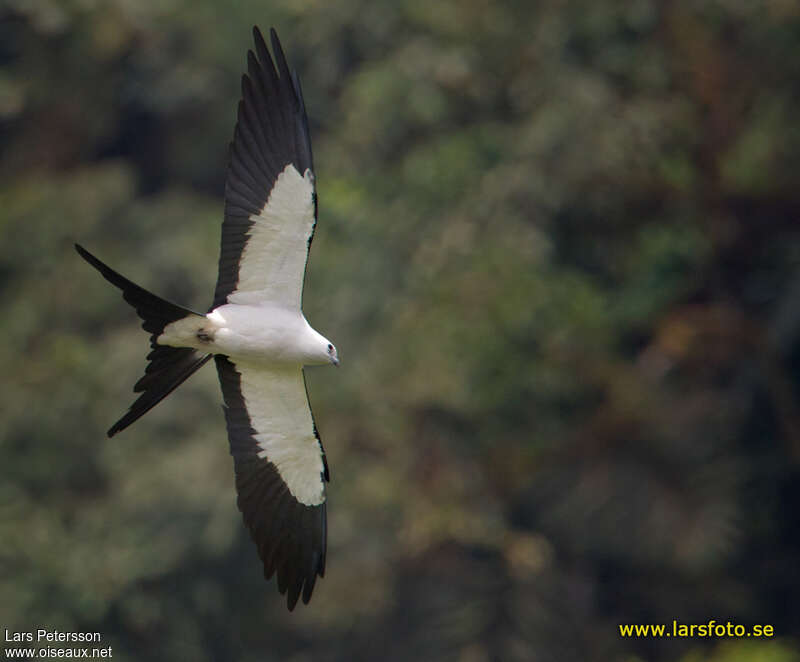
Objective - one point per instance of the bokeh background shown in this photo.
(559, 252)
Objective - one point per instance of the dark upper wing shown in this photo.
(280, 471)
(270, 201)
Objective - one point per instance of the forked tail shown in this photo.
(167, 367)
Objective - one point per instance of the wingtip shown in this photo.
(291, 600)
(277, 49)
(258, 37)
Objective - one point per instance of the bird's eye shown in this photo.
(330, 347)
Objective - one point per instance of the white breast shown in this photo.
(269, 334)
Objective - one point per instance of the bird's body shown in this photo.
(261, 334)
(255, 330)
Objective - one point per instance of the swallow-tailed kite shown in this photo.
(256, 330)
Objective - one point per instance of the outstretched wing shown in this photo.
(270, 200)
(280, 471)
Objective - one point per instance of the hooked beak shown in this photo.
(335, 361)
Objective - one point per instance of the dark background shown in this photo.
(559, 253)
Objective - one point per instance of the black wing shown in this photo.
(290, 531)
(271, 133)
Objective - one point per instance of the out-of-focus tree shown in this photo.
(559, 252)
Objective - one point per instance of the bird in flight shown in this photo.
(255, 329)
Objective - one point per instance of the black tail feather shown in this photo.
(168, 367)
(161, 387)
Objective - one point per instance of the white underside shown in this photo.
(268, 345)
(265, 335)
(278, 410)
(273, 262)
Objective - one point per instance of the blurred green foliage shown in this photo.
(559, 252)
